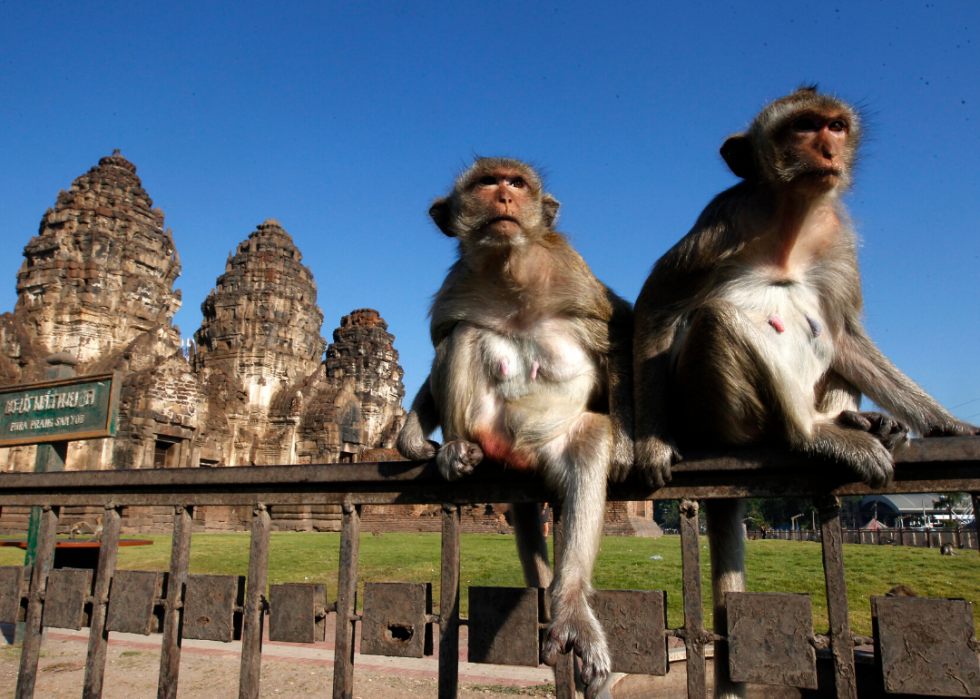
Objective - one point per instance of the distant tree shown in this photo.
(666, 514)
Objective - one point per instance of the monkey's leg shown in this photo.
(727, 547)
(577, 466)
(531, 545)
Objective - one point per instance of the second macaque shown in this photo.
(532, 370)
(748, 331)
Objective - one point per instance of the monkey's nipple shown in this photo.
(534, 370)
(814, 326)
(504, 367)
(777, 323)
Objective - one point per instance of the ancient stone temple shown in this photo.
(101, 270)
(97, 282)
(261, 321)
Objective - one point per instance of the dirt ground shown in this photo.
(209, 670)
(132, 674)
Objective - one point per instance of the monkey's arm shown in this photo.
(422, 420)
(678, 279)
(859, 360)
(654, 449)
(620, 377)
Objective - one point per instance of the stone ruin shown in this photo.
(97, 282)
(253, 389)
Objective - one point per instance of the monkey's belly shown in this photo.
(532, 388)
(791, 329)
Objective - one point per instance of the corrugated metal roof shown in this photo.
(904, 503)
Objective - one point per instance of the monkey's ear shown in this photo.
(737, 152)
(441, 216)
(549, 210)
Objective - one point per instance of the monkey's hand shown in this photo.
(654, 457)
(622, 455)
(574, 626)
(886, 429)
(458, 458)
(957, 428)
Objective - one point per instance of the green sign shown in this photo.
(52, 411)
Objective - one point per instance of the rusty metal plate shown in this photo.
(634, 622)
(769, 639)
(924, 646)
(504, 625)
(296, 612)
(132, 596)
(65, 597)
(394, 619)
(15, 582)
(212, 607)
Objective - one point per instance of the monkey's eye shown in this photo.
(837, 125)
(488, 180)
(518, 182)
(804, 124)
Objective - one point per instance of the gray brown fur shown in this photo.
(532, 369)
(711, 341)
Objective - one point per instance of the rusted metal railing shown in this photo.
(760, 647)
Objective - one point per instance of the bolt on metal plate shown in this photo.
(132, 596)
(296, 612)
(769, 639)
(635, 623)
(15, 581)
(393, 621)
(923, 646)
(212, 607)
(503, 625)
(64, 597)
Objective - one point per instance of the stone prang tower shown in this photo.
(101, 270)
(261, 321)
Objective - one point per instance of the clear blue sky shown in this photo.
(344, 121)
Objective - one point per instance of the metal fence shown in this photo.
(770, 637)
(922, 538)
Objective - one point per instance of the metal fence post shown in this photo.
(565, 667)
(343, 659)
(258, 566)
(44, 559)
(975, 497)
(98, 637)
(449, 604)
(693, 611)
(841, 640)
(180, 554)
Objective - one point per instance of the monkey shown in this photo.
(947, 550)
(532, 370)
(748, 331)
(81, 525)
(901, 591)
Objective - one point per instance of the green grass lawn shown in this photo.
(624, 563)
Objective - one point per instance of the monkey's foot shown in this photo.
(458, 458)
(886, 429)
(857, 449)
(576, 628)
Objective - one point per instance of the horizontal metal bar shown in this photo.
(925, 465)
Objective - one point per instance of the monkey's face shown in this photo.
(505, 200)
(814, 151)
(497, 203)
